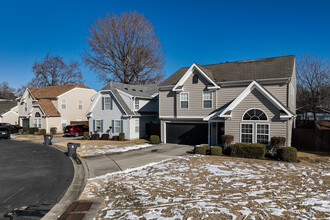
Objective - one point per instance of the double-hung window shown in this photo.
(63, 104)
(98, 125)
(262, 133)
(184, 100)
(37, 120)
(207, 99)
(137, 125)
(107, 102)
(80, 103)
(137, 104)
(247, 133)
(25, 107)
(117, 126)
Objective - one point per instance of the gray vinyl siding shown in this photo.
(167, 103)
(195, 106)
(279, 91)
(256, 100)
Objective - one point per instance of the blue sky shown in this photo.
(190, 31)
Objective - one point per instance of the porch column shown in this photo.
(209, 132)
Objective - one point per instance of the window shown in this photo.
(263, 133)
(255, 115)
(80, 103)
(137, 104)
(195, 79)
(184, 100)
(25, 107)
(98, 125)
(37, 120)
(137, 125)
(207, 99)
(106, 102)
(63, 104)
(63, 122)
(247, 133)
(117, 126)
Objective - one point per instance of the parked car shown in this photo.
(12, 128)
(75, 130)
(4, 132)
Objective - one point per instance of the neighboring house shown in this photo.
(321, 114)
(54, 106)
(125, 108)
(8, 111)
(253, 100)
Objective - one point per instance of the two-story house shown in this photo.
(54, 106)
(124, 108)
(8, 111)
(253, 100)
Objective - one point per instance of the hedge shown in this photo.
(288, 154)
(105, 137)
(200, 150)
(95, 137)
(247, 150)
(33, 130)
(121, 136)
(154, 139)
(215, 150)
(86, 135)
(42, 131)
(278, 142)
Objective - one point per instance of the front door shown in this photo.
(221, 131)
(25, 123)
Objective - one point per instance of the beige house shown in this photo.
(8, 111)
(253, 100)
(54, 106)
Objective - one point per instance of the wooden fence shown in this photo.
(311, 139)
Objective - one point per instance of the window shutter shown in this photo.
(111, 103)
(93, 125)
(101, 126)
(121, 126)
(113, 126)
(102, 103)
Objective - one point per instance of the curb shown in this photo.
(73, 192)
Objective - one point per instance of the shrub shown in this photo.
(227, 140)
(95, 137)
(115, 138)
(86, 135)
(154, 139)
(248, 150)
(20, 131)
(105, 137)
(200, 150)
(53, 130)
(278, 142)
(42, 131)
(215, 150)
(25, 130)
(288, 154)
(33, 130)
(122, 136)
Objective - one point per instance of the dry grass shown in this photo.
(27, 137)
(99, 145)
(314, 157)
(211, 187)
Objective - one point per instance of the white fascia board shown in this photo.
(113, 96)
(248, 90)
(92, 106)
(188, 73)
(76, 88)
(36, 105)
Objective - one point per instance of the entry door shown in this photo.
(221, 131)
(25, 123)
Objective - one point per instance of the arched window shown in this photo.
(37, 120)
(37, 115)
(255, 115)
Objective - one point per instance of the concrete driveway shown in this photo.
(33, 178)
(100, 165)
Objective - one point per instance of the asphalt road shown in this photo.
(33, 178)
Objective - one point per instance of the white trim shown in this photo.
(207, 100)
(256, 127)
(240, 131)
(247, 82)
(246, 92)
(183, 101)
(182, 117)
(75, 88)
(255, 120)
(188, 73)
(164, 132)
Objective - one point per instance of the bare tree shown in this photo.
(52, 71)
(313, 75)
(125, 49)
(6, 91)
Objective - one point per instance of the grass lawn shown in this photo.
(99, 147)
(212, 187)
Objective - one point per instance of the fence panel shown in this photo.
(311, 139)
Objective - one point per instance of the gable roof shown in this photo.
(47, 107)
(142, 91)
(5, 106)
(53, 91)
(266, 68)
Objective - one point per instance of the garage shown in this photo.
(186, 133)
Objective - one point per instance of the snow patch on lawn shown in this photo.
(92, 150)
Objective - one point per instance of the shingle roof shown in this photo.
(266, 68)
(142, 91)
(5, 106)
(47, 107)
(53, 91)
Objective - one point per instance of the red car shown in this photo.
(75, 130)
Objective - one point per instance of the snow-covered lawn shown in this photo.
(210, 187)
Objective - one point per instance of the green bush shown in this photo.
(200, 150)
(154, 139)
(53, 130)
(215, 150)
(33, 130)
(105, 137)
(121, 136)
(247, 150)
(25, 130)
(42, 131)
(207, 147)
(95, 137)
(288, 154)
(86, 135)
(227, 140)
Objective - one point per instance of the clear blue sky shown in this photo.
(190, 31)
